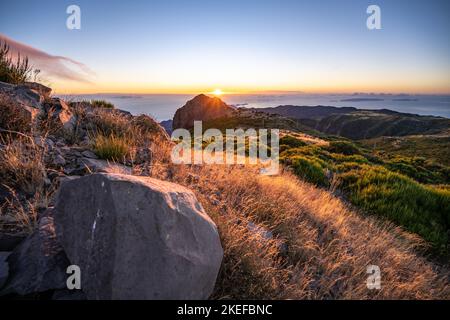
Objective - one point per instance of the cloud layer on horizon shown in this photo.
(51, 66)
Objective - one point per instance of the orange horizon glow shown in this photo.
(74, 89)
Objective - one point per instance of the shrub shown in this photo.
(111, 147)
(292, 142)
(419, 169)
(309, 169)
(14, 72)
(420, 209)
(344, 147)
(341, 158)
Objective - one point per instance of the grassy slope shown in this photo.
(320, 248)
(395, 187)
(433, 147)
(386, 187)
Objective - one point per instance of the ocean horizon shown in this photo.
(163, 106)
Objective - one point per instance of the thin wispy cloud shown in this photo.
(52, 66)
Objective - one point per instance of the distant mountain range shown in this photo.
(355, 123)
(347, 122)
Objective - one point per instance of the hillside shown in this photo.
(403, 187)
(361, 124)
(434, 148)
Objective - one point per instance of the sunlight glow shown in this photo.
(217, 92)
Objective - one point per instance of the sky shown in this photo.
(241, 46)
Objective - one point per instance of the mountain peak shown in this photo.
(201, 107)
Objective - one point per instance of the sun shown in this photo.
(217, 92)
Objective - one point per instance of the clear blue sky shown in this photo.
(180, 46)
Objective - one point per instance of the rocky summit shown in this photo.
(202, 108)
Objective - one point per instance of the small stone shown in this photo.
(89, 154)
(59, 161)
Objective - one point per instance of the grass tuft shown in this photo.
(111, 147)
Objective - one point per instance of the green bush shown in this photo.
(292, 142)
(420, 209)
(344, 147)
(341, 158)
(310, 170)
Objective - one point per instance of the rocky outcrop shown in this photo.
(202, 108)
(38, 264)
(60, 114)
(30, 94)
(32, 101)
(137, 238)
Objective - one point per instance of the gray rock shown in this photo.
(137, 238)
(60, 112)
(59, 161)
(89, 154)
(97, 165)
(4, 268)
(44, 143)
(6, 86)
(20, 107)
(29, 94)
(40, 88)
(38, 264)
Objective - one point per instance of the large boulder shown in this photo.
(137, 238)
(202, 108)
(38, 264)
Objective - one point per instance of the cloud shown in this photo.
(52, 66)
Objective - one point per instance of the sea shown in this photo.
(163, 106)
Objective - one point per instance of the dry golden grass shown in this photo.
(12, 116)
(23, 174)
(22, 163)
(320, 248)
(18, 215)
